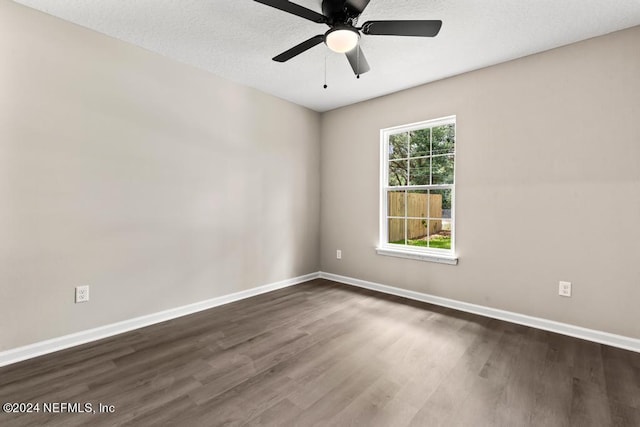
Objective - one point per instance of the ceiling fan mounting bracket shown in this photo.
(339, 12)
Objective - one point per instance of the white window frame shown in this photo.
(446, 256)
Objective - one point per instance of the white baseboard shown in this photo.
(613, 340)
(55, 344)
(60, 343)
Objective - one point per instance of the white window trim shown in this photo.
(444, 256)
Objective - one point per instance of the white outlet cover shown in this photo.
(82, 294)
(564, 289)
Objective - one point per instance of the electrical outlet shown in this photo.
(338, 254)
(564, 289)
(82, 294)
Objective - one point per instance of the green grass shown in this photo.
(439, 242)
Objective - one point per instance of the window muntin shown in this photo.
(418, 187)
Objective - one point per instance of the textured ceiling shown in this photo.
(236, 39)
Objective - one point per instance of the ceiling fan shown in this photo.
(343, 35)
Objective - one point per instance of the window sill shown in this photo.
(420, 256)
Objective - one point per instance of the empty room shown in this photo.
(320, 212)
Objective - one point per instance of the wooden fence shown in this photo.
(417, 206)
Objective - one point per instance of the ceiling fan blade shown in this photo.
(295, 9)
(357, 5)
(298, 49)
(358, 61)
(402, 28)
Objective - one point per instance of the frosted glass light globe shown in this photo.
(341, 40)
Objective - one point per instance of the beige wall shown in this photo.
(548, 185)
(157, 184)
(161, 185)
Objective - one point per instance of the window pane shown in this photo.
(396, 231)
(398, 146)
(398, 172)
(443, 139)
(418, 203)
(420, 143)
(417, 232)
(419, 171)
(440, 204)
(396, 203)
(440, 234)
(442, 170)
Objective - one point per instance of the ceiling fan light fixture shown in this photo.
(341, 40)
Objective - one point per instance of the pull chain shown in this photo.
(325, 71)
(357, 54)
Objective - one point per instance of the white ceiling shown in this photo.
(236, 39)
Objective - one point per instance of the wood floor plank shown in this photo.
(322, 353)
(444, 402)
(279, 414)
(346, 390)
(365, 409)
(589, 406)
(622, 376)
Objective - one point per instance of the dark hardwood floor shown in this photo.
(322, 353)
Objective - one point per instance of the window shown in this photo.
(418, 191)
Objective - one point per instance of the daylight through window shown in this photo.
(418, 187)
